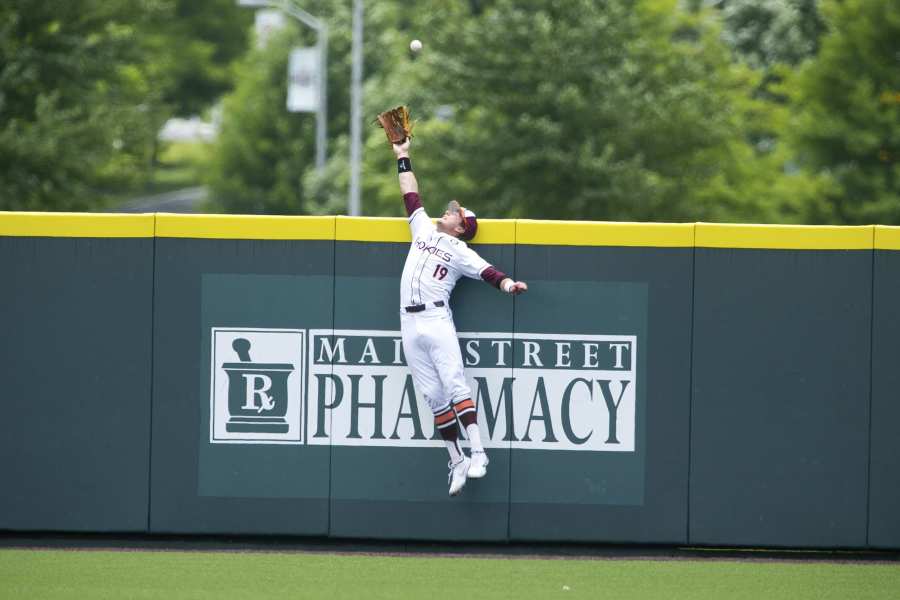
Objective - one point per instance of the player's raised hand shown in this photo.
(402, 149)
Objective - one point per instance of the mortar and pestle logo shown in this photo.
(257, 393)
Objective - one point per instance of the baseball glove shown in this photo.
(396, 124)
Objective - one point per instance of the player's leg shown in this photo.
(428, 385)
(445, 421)
(447, 357)
(468, 416)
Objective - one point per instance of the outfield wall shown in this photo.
(700, 384)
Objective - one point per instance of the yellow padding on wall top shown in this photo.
(588, 233)
(495, 231)
(82, 225)
(784, 237)
(490, 231)
(244, 227)
(887, 238)
(375, 229)
(372, 229)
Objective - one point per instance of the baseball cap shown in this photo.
(471, 225)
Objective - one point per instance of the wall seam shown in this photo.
(515, 273)
(871, 391)
(152, 373)
(331, 420)
(690, 439)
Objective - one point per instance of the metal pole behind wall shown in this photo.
(322, 113)
(353, 207)
(292, 8)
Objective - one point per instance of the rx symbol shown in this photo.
(266, 402)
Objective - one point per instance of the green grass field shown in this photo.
(51, 574)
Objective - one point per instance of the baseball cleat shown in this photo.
(478, 465)
(457, 476)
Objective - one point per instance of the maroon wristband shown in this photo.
(493, 276)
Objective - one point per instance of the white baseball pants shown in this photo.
(432, 353)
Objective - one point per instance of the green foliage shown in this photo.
(586, 110)
(193, 47)
(180, 165)
(615, 110)
(86, 84)
(847, 112)
(725, 110)
(264, 159)
(768, 32)
(262, 150)
(78, 112)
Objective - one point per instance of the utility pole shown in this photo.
(353, 203)
(292, 8)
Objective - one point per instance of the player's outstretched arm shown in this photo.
(408, 183)
(500, 280)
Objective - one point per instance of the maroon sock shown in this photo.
(446, 423)
(466, 412)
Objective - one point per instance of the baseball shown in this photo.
(415, 45)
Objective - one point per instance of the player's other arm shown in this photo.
(502, 282)
(409, 187)
(476, 267)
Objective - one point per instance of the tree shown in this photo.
(768, 32)
(261, 151)
(194, 45)
(78, 110)
(263, 160)
(847, 112)
(613, 110)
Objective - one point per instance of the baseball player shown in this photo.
(438, 257)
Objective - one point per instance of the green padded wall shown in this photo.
(609, 495)
(884, 484)
(780, 410)
(76, 319)
(257, 480)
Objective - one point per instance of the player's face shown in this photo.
(453, 218)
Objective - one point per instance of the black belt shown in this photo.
(421, 307)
